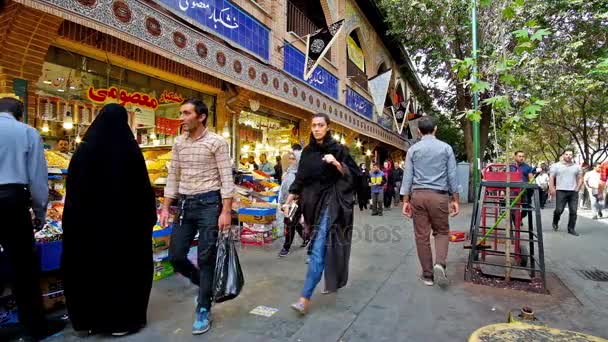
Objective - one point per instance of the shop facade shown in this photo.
(160, 52)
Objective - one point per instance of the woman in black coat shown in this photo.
(109, 214)
(325, 184)
(363, 191)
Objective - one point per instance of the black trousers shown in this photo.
(291, 227)
(17, 240)
(388, 196)
(544, 194)
(198, 214)
(563, 198)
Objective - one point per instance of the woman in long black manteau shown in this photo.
(325, 185)
(109, 214)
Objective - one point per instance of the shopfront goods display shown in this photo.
(73, 89)
(262, 132)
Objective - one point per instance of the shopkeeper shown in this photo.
(265, 165)
(63, 146)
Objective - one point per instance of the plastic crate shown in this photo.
(50, 255)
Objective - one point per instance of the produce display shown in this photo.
(157, 163)
(56, 160)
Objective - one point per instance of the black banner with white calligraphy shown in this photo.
(317, 45)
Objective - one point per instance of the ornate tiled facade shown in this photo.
(138, 22)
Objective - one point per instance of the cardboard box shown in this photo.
(52, 293)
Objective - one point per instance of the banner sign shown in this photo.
(317, 45)
(378, 87)
(399, 111)
(170, 97)
(359, 104)
(355, 53)
(122, 97)
(227, 20)
(321, 79)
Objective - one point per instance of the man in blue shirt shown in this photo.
(527, 173)
(23, 183)
(430, 195)
(377, 179)
(265, 165)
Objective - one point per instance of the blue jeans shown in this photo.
(317, 257)
(198, 214)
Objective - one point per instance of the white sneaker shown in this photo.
(427, 281)
(440, 276)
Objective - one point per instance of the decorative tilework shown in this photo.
(321, 79)
(154, 29)
(359, 104)
(224, 18)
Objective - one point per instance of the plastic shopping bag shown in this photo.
(228, 280)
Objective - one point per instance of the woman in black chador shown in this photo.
(109, 215)
(325, 186)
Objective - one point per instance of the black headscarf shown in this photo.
(110, 211)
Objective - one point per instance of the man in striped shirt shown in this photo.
(200, 178)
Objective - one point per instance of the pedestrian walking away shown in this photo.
(430, 195)
(291, 226)
(592, 183)
(363, 190)
(377, 180)
(565, 182)
(200, 178)
(389, 186)
(542, 180)
(97, 303)
(325, 185)
(23, 184)
(398, 177)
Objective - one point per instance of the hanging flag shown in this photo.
(317, 45)
(378, 87)
(413, 111)
(399, 113)
(355, 53)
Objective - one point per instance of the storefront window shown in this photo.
(264, 133)
(73, 88)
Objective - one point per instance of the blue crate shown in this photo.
(50, 255)
(163, 232)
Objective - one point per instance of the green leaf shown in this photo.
(508, 79)
(540, 34)
(498, 102)
(508, 13)
(473, 115)
(479, 86)
(531, 23)
(523, 47)
(522, 34)
(485, 3)
(531, 111)
(520, 3)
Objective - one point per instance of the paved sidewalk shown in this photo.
(384, 300)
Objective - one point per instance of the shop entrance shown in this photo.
(264, 133)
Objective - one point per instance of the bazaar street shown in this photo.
(384, 300)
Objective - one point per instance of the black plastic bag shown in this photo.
(228, 279)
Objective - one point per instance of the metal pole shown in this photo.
(476, 141)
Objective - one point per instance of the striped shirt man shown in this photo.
(200, 165)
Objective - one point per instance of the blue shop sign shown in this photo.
(228, 21)
(321, 79)
(359, 104)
